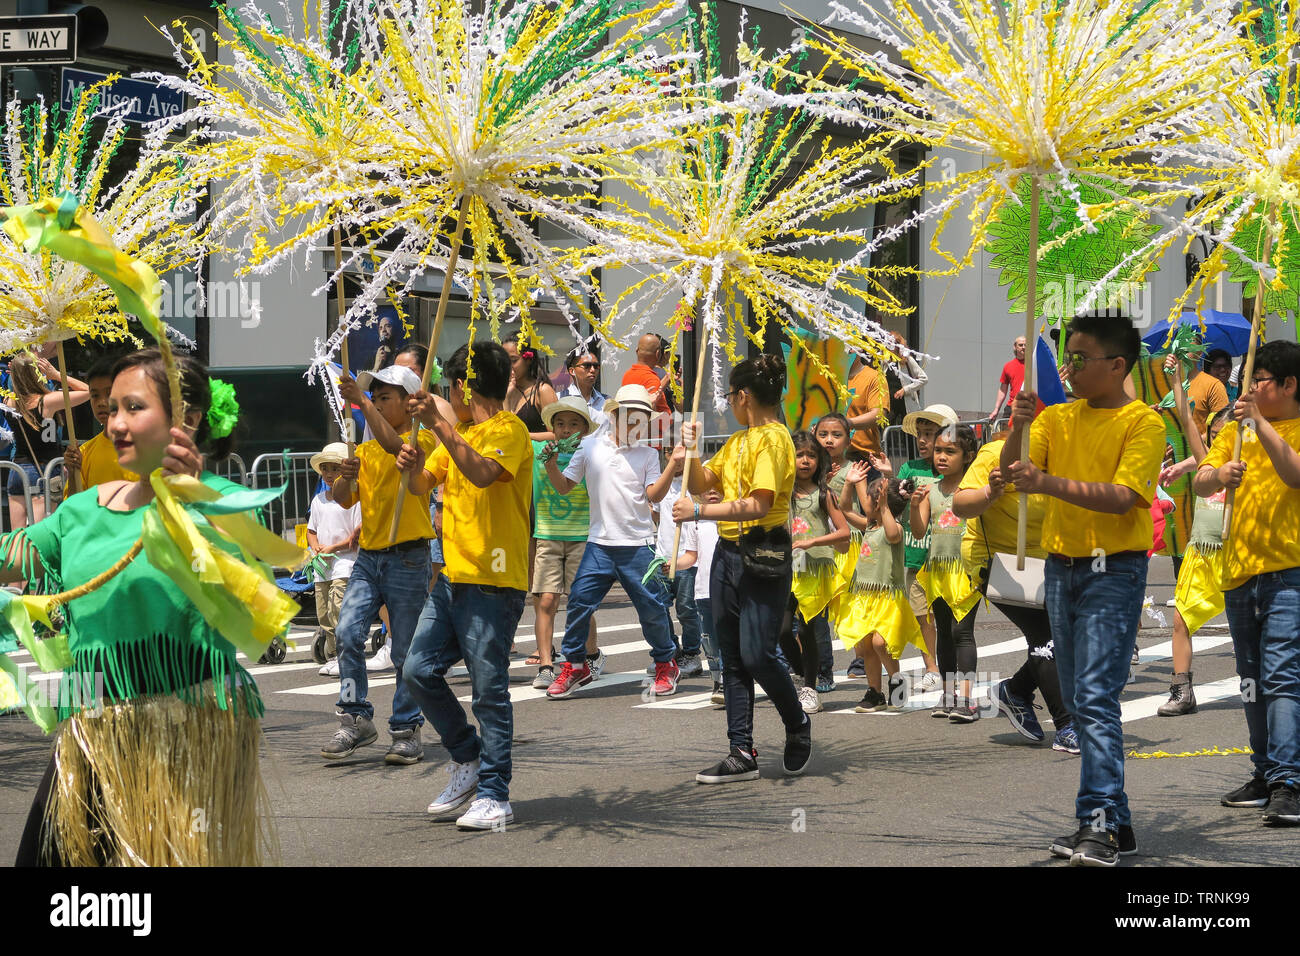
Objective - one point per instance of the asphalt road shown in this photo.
(606, 779)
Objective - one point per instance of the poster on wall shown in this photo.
(373, 347)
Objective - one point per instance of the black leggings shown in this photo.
(29, 844)
(955, 648)
(802, 653)
(1039, 669)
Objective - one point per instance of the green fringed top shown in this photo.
(880, 564)
(808, 520)
(138, 633)
(1207, 523)
(946, 530)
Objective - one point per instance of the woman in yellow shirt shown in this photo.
(755, 473)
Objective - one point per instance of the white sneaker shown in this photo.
(931, 681)
(461, 786)
(808, 700)
(486, 814)
(598, 665)
(382, 661)
(1172, 602)
(331, 668)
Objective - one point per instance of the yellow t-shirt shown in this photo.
(756, 459)
(485, 531)
(380, 483)
(998, 524)
(1265, 532)
(99, 463)
(1118, 446)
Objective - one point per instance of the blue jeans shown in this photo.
(708, 642)
(1264, 618)
(748, 612)
(477, 623)
(398, 580)
(1094, 617)
(681, 592)
(600, 567)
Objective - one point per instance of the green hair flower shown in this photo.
(435, 373)
(223, 413)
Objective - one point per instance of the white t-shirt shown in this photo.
(706, 539)
(617, 478)
(668, 527)
(332, 523)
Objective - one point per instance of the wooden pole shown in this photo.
(695, 418)
(1031, 348)
(1248, 370)
(443, 296)
(339, 294)
(74, 475)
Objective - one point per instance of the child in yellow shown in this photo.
(949, 592)
(1261, 574)
(874, 614)
(96, 460)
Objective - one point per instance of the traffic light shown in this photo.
(92, 24)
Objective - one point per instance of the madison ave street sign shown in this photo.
(26, 41)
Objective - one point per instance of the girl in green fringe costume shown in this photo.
(952, 595)
(873, 613)
(156, 759)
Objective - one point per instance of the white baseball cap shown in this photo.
(398, 375)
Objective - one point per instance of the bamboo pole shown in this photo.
(1031, 348)
(341, 298)
(1248, 371)
(441, 315)
(695, 418)
(74, 475)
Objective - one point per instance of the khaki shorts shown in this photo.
(916, 596)
(555, 565)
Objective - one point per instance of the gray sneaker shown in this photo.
(545, 678)
(597, 664)
(406, 748)
(355, 730)
(690, 665)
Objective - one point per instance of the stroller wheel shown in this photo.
(377, 638)
(318, 646)
(275, 652)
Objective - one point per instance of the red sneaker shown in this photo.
(666, 674)
(570, 679)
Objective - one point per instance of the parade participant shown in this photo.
(751, 575)
(869, 410)
(389, 571)
(949, 592)
(563, 523)
(833, 431)
(623, 481)
(96, 459)
(820, 532)
(1097, 459)
(873, 616)
(679, 590)
(333, 533)
(706, 540)
(1198, 595)
(475, 605)
(530, 389)
(36, 441)
(1207, 391)
(991, 508)
(1261, 575)
(173, 732)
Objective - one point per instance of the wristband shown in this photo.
(697, 511)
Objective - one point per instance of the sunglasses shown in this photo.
(588, 365)
(1078, 361)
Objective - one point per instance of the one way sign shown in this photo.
(29, 40)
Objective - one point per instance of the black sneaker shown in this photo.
(1283, 808)
(872, 701)
(943, 709)
(964, 712)
(1064, 847)
(737, 765)
(1253, 793)
(798, 749)
(1095, 848)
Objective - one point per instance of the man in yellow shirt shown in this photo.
(486, 466)
(1097, 460)
(389, 572)
(96, 459)
(1261, 563)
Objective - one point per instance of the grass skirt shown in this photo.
(160, 782)
(950, 582)
(858, 613)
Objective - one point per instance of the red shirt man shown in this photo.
(1013, 377)
(649, 352)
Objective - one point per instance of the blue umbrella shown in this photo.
(1229, 331)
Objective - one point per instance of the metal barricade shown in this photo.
(232, 468)
(291, 509)
(50, 503)
(7, 466)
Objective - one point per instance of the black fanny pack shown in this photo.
(767, 552)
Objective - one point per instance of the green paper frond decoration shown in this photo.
(1285, 258)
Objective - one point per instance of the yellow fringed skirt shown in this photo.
(858, 614)
(160, 782)
(950, 582)
(815, 590)
(1196, 594)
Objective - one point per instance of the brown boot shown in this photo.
(1181, 698)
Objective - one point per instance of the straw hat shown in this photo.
(569, 403)
(633, 398)
(335, 452)
(941, 415)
